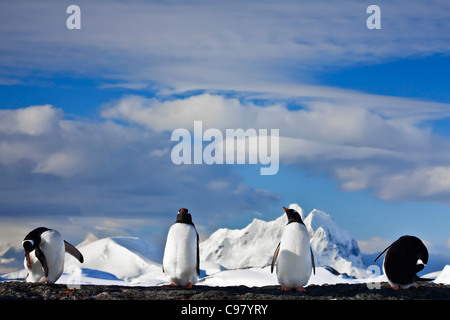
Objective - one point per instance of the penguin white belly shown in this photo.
(180, 254)
(36, 273)
(52, 246)
(294, 263)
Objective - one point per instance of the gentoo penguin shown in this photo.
(293, 257)
(404, 258)
(44, 255)
(181, 262)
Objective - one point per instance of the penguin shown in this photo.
(44, 255)
(293, 256)
(404, 258)
(181, 261)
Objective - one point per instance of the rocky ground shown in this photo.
(30, 291)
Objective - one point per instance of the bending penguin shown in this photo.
(181, 262)
(44, 255)
(293, 256)
(404, 258)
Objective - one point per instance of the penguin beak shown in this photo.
(285, 209)
(27, 256)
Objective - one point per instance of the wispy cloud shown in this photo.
(218, 43)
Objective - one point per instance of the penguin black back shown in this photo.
(401, 261)
(293, 216)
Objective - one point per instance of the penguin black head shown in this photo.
(420, 252)
(184, 216)
(293, 216)
(31, 242)
(29, 245)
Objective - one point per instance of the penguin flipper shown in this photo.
(198, 258)
(73, 251)
(312, 261)
(382, 252)
(41, 257)
(419, 279)
(275, 256)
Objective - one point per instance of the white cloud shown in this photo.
(386, 151)
(215, 111)
(346, 120)
(63, 164)
(99, 169)
(425, 183)
(34, 120)
(320, 128)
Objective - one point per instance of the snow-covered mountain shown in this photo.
(127, 258)
(254, 245)
(332, 245)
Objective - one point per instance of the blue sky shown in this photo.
(86, 115)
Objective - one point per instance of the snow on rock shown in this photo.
(210, 268)
(254, 245)
(258, 277)
(444, 276)
(83, 276)
(251, 277)
(324, 276)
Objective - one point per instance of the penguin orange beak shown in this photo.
(27, 256)
(285, 209)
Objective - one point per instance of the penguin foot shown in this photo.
(172, 284)
(299, 289)
(188, 286)
(396, 288)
